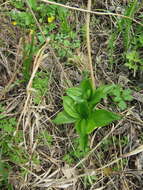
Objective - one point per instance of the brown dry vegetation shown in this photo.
(115, 159)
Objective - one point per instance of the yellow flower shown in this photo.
(51, 19)
(31, 32)
(14, 23)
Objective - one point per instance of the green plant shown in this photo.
(76, 153)
(125, 25)
(68, 159)
(12, 152)
(44, 13)
(132, 38)
(28, 53)
(40, 84)
(120, 96)
(80, 108)
(134, 61)
(45, 138)
(65, 44)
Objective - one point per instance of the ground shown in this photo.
(44, 52)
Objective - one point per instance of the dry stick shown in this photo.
(89, 45)
(52, 51)
(37, 63)
(92, 12)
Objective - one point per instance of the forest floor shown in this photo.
(43, 52)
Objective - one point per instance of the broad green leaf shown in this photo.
(70, 106)
(83, 109)
(81, 126)
(100, 118)
(33, 4)
(75, 93)
(86, 86)
(81, 130)
(100, 93)
(63, 118)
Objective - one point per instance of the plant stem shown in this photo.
(89, 45)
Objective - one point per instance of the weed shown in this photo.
(120, 96)
(64, 44)
(132, 39)
(45, 14)
(40, 84)
(80, 108)
(28, 52)
(68, 159)
(45, 138)
(75, 154)
(89, 180)
(10, 152)
(125, 25)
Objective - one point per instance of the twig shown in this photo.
(89, 45)
(93, 12)
(36, 64)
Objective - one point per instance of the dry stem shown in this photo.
(93, 12)
(89, 45)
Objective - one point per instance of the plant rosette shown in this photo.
(80, 109)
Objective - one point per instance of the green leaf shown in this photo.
(70, 106)
(33, 4)
(126, 92)
(86, 86)
(122, 105)
(117, 91)
(100, 118)
(83, 109)
(128, 98)
(63, 118)
(100, 93)
(81, 130)
(83, 140)
(75, 93)
(117, 99)
(81, 126)
(133, 56)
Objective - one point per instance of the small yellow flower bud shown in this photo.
(14, 23)
(31, 32)
(51, 19)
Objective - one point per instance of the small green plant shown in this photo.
(40, 85)
(125, 25)
(80, 108)
(65, 44)
(120, 96)
(45, 138)
(12, 152)
(132, 38)
(76, 153)
(28, 53)
(44, 13)
(134, 61)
